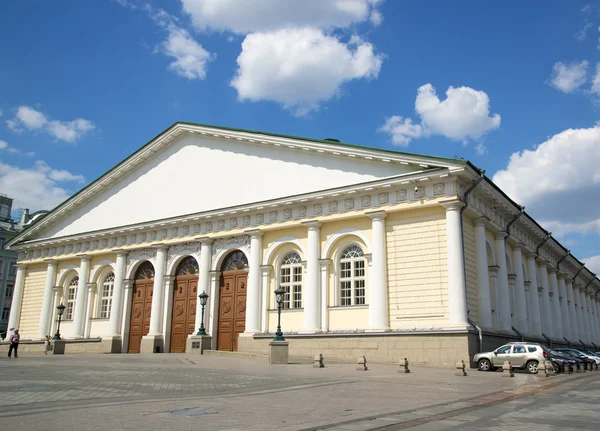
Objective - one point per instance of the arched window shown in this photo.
(145, 271)
(235, 261)
(188, 266)
(70, 296)
(290, 280)
(106, 297)
(352, 276)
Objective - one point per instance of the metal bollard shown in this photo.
(404, 367)
(362, 364)
(318, 363)
(507, 369)
(460, 369)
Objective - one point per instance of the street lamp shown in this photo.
(61, 310)
(279, 298)
(203, 299)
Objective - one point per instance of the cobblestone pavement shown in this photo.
(181, 392)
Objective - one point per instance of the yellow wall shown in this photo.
(33, 294)
(291, 320)
(470, 269)
(349, 318)
(417, 268)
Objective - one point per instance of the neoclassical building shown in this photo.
(380, 253)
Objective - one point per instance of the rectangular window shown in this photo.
(2, 240)
(12, 268)
(9, 290)
(346, 293)
(5, 313)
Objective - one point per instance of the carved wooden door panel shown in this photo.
(141, 306)
(183, 319)
(232, 309)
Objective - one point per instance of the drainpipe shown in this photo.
(580, 269)
(560, 261)
(537, 251)
(514, 220)
(480, 334)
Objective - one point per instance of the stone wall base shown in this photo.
(71, 346)
(151, 344)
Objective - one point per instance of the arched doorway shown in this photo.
(232, 300)
(183, 319)
(141, 306)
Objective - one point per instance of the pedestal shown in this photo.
(151, 344)
(278, 352)
(58, 347)
(112, 344)
(197, 344)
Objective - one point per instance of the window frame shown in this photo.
(69, 302)
(5, 311)
(292, 287)
(105, 300)
(10, 287)
(352, 279)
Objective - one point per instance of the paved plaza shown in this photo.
(210, 392)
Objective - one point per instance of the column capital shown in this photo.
(501, 235)
(83, 257)
(128, 283)
(325, 263)
(493, 270)
(480, 221)
(159, 246)
(21, 266)
(452, 205)
(512, 278)
(51, 261)
(377, 215)
(205, 240)
(540, 289)
(169, 278)
(214, 273)
(542, 263)
(119, 252)
(254, 233)
(57, 289)
(266, 269)
(531, 254)
(311, 224)
(517, 247)
(551, 270)
(550, 294)
(527, 285)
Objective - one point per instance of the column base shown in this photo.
(309, 331)
(278, 352)
(379, 330)
(197, 344)
(112, 344)
(151, 344)
(58, 347)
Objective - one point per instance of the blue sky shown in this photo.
(85, 83)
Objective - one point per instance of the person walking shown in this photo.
(47, 345)
(14, 343)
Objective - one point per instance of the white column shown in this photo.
(527, 305)
(535, 321)
(158, 291)
(547, 326)
(311, 299)
(457, 290)
(126, 313)
(586, 316)
(556, 314)
(87, 323)
(81, 298)
(519, 292)
(484, 303)
(213, 307)
(378, 292)
(114, 323)
(592, 314)
(45, 315)
(512, 278)
(203, 280)
(17, 300)
(266, 271)
(493, 282)
(597, 320)
(572, 311)
(253, 294)
(564, 307)
(579, 314)
(324, 265)
(502, 292)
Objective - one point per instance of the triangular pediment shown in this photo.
(191, 169)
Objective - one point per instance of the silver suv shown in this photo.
(521, 355)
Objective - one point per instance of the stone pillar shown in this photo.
(378, 292)
(512, 278)
(213, 318)
(502, 293)
(556, 314)
(266, 271)
(484, 303)
(158, 292)
(493, 282)
(46, 314)
(311, 299)
(324, 264)
(572, 311)
(17, 301)
(457, 291)
(203, 279)
(579, 313)
(594, 299)
(527, 306)
(114, 324)
(593, 326)
(586, 316)
(564, 306)
(547, 326)
(87, 325)
(253, 295)
(535, 321)
(519, 292)
(81, 298)
(126, 311)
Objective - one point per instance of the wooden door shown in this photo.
(183, 319)
(141, 306)
(232, 309)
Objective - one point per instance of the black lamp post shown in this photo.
(203, 299)
(61, 310)
(279, 298)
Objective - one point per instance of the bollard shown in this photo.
(578, 367)
(404, 367)
(460, 369)
(596, 367)
(362, 364)
(507, 370)
(569, 368)
(546, 367)
(319, 361)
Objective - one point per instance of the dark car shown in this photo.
(562, 362)
(583, 360)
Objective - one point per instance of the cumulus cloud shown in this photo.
(301, 67)
(33, 120)
(558, 181)
(10, 150)
(250, 16)
(190, 57)
(568, 77)
(593, 263)
(582, 34)
(39, 187)
(463, 115)
(596, 81)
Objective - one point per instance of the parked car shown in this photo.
(561, 361)
(577, 355)
(590, 355)
(521, 355)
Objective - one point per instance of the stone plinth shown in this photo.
(197, 344)
(112, 344)
(151, 344)
(58, 347)
(278, 352)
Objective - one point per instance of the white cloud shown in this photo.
(463, 115)
(596, 81)
(480, 149)
(582, 34)
(568, 77)
(592, 263)
(300, 67)
(33, 120)
(558, 181)
(190, 57)
(10, 150)
(36, 188)
(249, 16)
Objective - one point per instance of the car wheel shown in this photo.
(484, 365)
(532, 367)
(556, 367)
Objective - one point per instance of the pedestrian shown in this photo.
(14, 343)
(47, 345)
